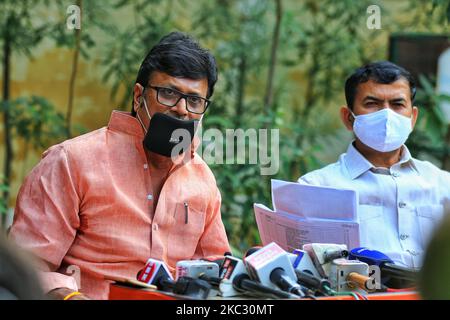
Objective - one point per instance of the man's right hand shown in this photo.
(61, 293)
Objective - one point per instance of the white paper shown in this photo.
(310, 201)
(292, 232)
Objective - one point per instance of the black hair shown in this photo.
(383, 72)
(179, 55)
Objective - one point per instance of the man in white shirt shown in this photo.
(401, 199)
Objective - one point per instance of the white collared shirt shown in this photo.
(398, 207)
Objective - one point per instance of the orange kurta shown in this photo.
(89, 204)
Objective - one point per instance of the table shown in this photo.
(124, 292)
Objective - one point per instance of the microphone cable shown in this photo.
(332, 292)
(244, 283)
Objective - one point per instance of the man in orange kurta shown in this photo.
(102, 203)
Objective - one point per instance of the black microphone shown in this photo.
(213, 281)
(313, 283)
(243, 282)
(387, 267)
(284, 282)
(194, 288)
(187, 286)
(334, 254)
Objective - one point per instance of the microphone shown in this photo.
(200, 269)
(313, 283)
(363, 282)
(387, 267)
(307, 274)
(196, 268)
(194, 288)
(301, 261)
(323, 253)
(242, 282)
(334, 254)
(231, 268)
(271, 266)
(347, 275)
(235, 282)
(156, 272)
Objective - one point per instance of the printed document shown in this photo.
(308, 214)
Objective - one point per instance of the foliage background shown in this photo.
(282, 64)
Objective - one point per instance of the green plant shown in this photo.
(430, 137)
(19, 34)
(36, 121)
(127, 48)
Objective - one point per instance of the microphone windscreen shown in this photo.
(153, 271)
(261, 263)
(371, 257)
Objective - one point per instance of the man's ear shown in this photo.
(415, 114)
(347, 118)
(137, 96)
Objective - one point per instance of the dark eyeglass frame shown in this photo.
(182, 96)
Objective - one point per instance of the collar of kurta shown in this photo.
(357, 164)
(124, 122)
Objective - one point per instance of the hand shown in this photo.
(61, 293)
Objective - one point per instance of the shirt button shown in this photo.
(401, 205)
(404, 236)
(155, 227)
(145, 166)
(395, 175)
(149, 197)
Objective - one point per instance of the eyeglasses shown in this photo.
(170, 97)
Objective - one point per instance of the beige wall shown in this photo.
(47, 74)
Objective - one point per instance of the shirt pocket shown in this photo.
(185, 232)
(428, 218)
(371, 226)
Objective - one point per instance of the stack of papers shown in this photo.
(308, 214)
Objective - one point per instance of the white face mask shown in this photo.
(384, 130)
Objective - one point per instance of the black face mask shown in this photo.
(169, 136)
